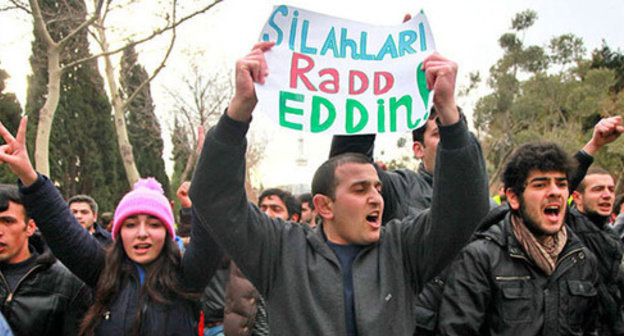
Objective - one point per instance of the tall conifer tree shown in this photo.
(10, 114)
(144, 130)
(83, 152)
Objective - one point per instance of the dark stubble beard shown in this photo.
(596, 218)
(532, 225)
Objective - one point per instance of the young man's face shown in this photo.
(543, 203)
(426, 151)
(83, 213)
(598, 196)
(356, 211)
(306, 213)
(274, 207)
(14, 233)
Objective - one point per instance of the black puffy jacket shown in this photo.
(495, 289)
(601, 240)
(48, 300)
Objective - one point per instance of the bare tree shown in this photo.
(96, 19)
(201, 101)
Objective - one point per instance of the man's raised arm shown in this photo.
(460, 189)
(218, 186)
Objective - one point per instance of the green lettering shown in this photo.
(283, 109)
(353, 104)
(315, 119)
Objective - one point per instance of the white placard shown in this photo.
(334, 76)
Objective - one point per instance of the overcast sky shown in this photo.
(464, 31)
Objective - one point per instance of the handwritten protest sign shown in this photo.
(335, 76)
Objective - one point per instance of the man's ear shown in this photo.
(578, 199)
(418, 149)
(512, 199)
(30, 227)
(324, 206)
(294, 218)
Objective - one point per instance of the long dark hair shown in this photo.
(161, 284)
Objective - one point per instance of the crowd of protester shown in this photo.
(366, 252)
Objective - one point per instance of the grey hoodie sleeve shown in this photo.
(460, 200)
(251, 238)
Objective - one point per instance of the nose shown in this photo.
(554, 189)
(375, 197)
(142, 232)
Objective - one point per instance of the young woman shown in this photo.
(142, 285)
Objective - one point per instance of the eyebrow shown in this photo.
(544, 178)
(366, 183)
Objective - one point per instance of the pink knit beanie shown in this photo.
(147, 197)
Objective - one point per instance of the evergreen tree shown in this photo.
(541, 95)
(144, 130)
(607, 58)
(10, 114)
(83, 152)
(181, 152)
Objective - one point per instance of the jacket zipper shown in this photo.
(568, 254)
(10, 296)
(512, 278)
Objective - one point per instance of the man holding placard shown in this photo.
(348, 276)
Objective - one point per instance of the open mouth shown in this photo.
(552, 212)
(373, 218)
(142, 246)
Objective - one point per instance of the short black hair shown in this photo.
(418, 134)
(542, 156)
(84, 199)
(10, 193)
(591, 171)
(306, 198)
(293, 206)
(324, 180)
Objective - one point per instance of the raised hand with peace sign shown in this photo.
(14, 153)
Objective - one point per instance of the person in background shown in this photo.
(39, 295)
(308, 211)
(85, 209)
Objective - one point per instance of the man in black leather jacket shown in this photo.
(39, 295)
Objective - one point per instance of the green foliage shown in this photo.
(540, 96)
(10, 114)
(614, 60)
(144, 130)
(84, 156)
(524, 20)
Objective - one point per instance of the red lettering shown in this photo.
(334, 82)
(362, 76)
(296, 71)
(389, 82)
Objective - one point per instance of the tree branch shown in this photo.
(147, 38)
(160, 66)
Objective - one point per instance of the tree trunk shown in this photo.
(46, 113)
(125, 148)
